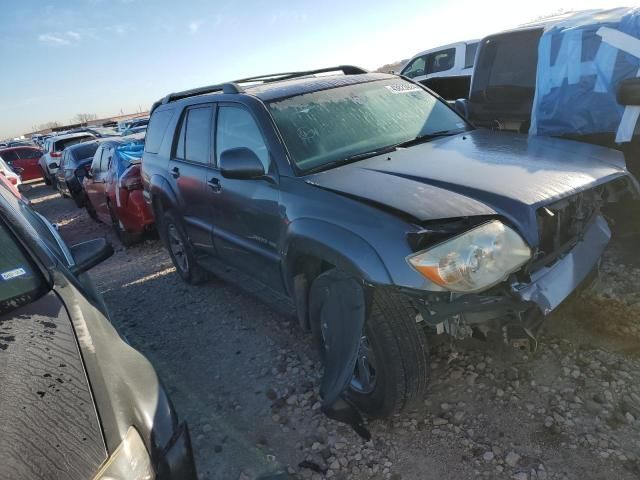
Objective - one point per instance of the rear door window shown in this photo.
(20, 280)
(470, 54)
(441, 61)
(197, 138)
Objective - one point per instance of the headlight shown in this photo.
(475, 260)
(130, 461)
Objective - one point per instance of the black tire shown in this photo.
(400, 355)
(180, 251)
(47, 180)
(125, 237)
(92, 212)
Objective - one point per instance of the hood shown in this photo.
(50, 427)
(481, 172)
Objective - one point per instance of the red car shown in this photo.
(113, 187)
(25, 158)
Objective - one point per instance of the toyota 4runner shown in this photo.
(380, 213)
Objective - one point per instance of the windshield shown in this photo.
(327, 126)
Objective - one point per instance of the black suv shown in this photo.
(380, 212)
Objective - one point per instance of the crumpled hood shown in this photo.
(481, 172)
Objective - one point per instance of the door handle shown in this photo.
(214, 184)
(175, 172)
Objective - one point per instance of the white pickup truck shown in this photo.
(446, 70)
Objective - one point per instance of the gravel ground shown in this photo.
(246, 380)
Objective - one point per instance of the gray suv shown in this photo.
(380, 214)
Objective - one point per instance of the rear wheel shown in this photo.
(180, 251)
(92, 212)
(127, 238)
(392, 368)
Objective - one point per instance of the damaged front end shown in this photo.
(573, 235)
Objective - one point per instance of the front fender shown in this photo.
(334, 244)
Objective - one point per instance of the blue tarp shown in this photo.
(581, 60)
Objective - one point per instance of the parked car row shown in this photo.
(77, 401)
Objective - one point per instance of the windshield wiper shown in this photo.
(428, 136)
(352, 158)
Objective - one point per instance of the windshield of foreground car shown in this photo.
(322, 128)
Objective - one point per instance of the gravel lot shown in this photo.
(246, 380)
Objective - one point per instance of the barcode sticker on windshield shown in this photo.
(16, 272)
(402, 88)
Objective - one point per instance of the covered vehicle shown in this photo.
(573, 76)
(77, 401)
(446, 70)
(114, 188)
(380, 213)
(24, 158)
(53, 148)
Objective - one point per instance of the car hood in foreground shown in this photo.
(480, 172)
(49, 425)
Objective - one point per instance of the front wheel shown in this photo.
(392, 367)
(180, 251)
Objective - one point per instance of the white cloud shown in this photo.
(53, 40)
(194, 26)
(73, 35)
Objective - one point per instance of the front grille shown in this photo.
(562, 224)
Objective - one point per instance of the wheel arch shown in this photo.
(315, 246)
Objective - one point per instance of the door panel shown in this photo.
(188, 169)
(247, 216)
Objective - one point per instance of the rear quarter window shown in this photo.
(157, 129)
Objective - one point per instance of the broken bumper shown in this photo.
(547, 289)
(550, 286)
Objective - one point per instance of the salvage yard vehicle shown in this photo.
(549, 77)
(25, 158)
(53, 148)
(113, 189)
(77, 401)
(446, 70)
(74, 164)
(380, 213)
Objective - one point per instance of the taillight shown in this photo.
(13, 180)
(56, 154)
(131, 178)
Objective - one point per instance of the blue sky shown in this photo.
(64, 57)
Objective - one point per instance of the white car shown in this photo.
(13, 177)
(53, 148)
(446, 70)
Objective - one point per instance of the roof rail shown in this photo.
(275, 77)
(234, 87)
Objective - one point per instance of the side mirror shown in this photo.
(89, 254)
(53, 165)
(240, 163)
(462, 107)
(629, 92)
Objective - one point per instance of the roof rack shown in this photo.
(234, 87)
